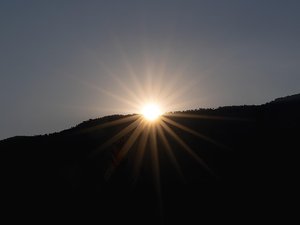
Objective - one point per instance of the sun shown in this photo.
(151, 111)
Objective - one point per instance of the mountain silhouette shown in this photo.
(291, 98)
(232, 162)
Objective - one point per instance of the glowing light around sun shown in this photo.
(151, 128)
(151, 112)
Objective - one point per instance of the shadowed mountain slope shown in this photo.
(248, 164)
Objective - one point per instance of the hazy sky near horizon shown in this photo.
(62, 62)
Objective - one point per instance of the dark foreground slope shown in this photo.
(252, 170)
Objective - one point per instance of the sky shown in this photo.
(63, 62)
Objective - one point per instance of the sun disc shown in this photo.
(151, 112)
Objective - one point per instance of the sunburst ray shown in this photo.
(170, 152)
(120, 121)
(154, 155)
(182, 127)
(119, 135)
(185, 146)
(205, 117)
(129, 143)
(125, 149)
(140, 152)
(132, 94)
(155, 165)
(119, 98)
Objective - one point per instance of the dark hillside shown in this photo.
(250, 152)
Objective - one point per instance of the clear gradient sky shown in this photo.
(62, 62)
